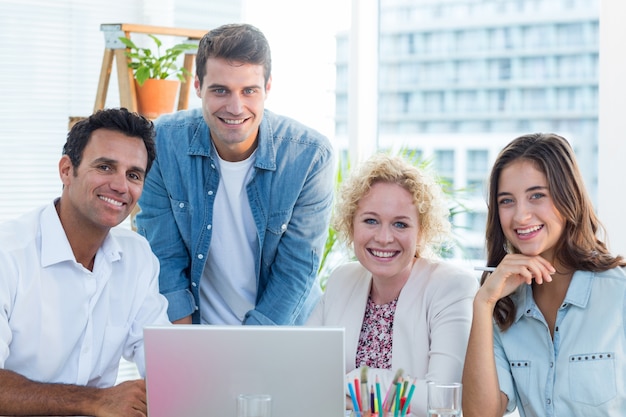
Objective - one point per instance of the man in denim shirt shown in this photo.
(238, 202)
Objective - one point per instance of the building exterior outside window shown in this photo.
(464, 77)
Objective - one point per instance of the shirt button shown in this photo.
(210, 193)
(551, 364)
(200, 256)
(181, 205)
(208, 227)
(193, 284)
(213, 166)
(548, 401)
(196, 308)
(283, 227)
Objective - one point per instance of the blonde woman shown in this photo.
(401, 306)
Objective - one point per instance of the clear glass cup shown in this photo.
(444, 399)
(254, 405)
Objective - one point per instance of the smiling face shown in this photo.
(233, 99)
(386, 228)
(530, 220)
(101, 192)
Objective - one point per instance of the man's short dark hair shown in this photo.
(118, 120)
(242, 43)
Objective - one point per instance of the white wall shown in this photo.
(612, 124)
(52, 53)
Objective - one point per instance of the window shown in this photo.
(533, 68)
(494, 65)
(59, 67)
(534, 99)
(476, 221)
(504, 69)
(477, 162)
(570, 34)
(444, 162)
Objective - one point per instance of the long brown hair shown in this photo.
(579, 247)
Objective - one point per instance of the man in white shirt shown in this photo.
(75, 293)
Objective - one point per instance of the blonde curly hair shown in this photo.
(433, 214)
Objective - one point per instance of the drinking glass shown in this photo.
(444, 399)
(254, 405)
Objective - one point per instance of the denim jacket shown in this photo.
(290, 196)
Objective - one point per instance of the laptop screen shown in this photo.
(199, 370)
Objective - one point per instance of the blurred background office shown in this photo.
(451, 80)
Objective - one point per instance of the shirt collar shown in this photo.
(266, 148)
(578, 293)
(266, 151)
(579, 290)
(55, 248)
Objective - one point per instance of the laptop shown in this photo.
(199, 370)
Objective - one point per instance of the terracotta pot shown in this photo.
(156, 97)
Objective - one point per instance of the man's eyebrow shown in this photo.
(211, 86)
(105, 160)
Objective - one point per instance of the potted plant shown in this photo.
(157, 75)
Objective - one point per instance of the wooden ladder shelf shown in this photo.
(115, 50)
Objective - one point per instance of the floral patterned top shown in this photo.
(375, 341)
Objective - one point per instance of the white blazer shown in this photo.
(431, 324)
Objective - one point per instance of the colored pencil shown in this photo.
(355, 403)
(357, 388)
(379, 409)
(398, 397)
(405, 409)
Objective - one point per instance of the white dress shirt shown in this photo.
(60, 322)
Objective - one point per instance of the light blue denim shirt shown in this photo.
(582, 371)
(290, 196)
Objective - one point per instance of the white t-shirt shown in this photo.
(228, 287)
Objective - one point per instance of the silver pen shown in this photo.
(485, 268)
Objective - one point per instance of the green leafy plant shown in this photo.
(155, 64)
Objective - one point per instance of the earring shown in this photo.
(508, 248)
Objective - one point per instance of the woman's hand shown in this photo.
(513, 271)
